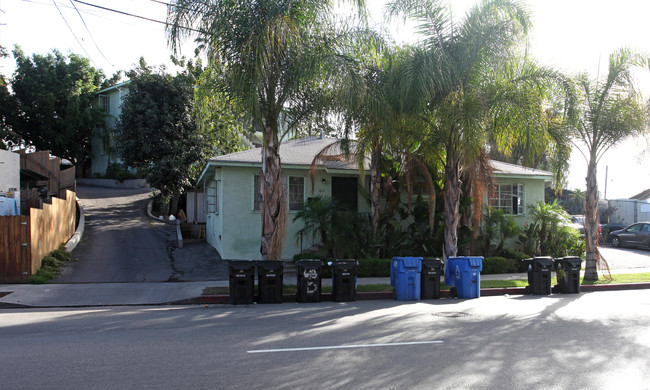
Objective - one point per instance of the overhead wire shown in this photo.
(91, 35)
(73, 34)
(133, 15)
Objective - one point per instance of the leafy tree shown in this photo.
(608, 112)
(272, 51)
(555, 237)
(8, 111)
(468, 79)
(157, 131)
(496, 228)
(54, 95)
(317, 216)
(220, 120)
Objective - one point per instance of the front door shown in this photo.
(344, 192)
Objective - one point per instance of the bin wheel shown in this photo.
(452, 292)
(555, 289)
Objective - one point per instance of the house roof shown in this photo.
(116, 86)
(642, 195)
(301, 152)
(294, 152)
(297, 153)
(502, 169)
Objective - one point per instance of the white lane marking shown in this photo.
(344, 347)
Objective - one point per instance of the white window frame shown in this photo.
(504, 199)
(286, 182)
(212, 197)
(295, 206)
(105, 103)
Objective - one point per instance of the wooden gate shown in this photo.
(15, 249)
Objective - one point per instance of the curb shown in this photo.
(78, 234)
(444, 294)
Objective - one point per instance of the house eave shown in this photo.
(546, 178)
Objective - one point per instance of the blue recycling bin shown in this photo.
(405, 277)
(464, 273)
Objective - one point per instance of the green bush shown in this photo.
(118, 171)
(374, 268)
(367, 268)
(51, 266)
(513, 254)
(501, 265)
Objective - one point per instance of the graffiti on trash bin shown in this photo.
(457, 273)
(311, 275)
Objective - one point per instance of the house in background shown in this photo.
(233, 220)
(9, 183)
(102, 142)
(516, 187)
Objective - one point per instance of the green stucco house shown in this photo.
(233, 221)
(102, 141)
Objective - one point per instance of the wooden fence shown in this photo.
(25, 240)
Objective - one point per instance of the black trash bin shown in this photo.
(539, 275)
(567, 271)
(344, 280)
(242, 282)
(270, 275)
(308, 273)
(430, 278)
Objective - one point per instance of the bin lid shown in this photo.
(270, 265)
(309, 263)
(432, 263)
(476, 262)
(409, 262)
(345, 264)
(569, 259)
(543, 260)
(245, 265)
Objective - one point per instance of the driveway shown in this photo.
(122, 244)
(626, 259)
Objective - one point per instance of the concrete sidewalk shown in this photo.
(162, 293)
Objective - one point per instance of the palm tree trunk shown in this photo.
(273, 205)
(452, 203)
(591, 222)
(375, 181)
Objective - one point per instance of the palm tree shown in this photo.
(369, 101)
(271, 51)
(609, 111)
(462, 80)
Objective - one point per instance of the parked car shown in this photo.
(637, 234)
(578, 223)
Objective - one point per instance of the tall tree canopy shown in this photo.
(54, 94)
(608, 112)
(464, 77)
(272, 51)
(157, 131)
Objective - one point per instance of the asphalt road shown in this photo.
(120, 243)
(587, 341)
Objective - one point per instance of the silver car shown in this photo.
(637, 234)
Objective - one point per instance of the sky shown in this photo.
(574, 36)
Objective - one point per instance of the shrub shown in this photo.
(51, 266)
(501, 265)
(374, 268)
(367, 268)
(513, 254)
(118, 171)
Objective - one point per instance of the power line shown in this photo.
(91, 35)
(73, 34)
(132, 15)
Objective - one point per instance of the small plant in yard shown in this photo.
(51, 266)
